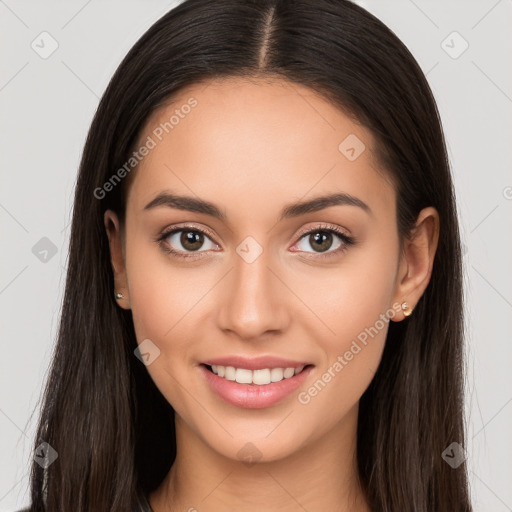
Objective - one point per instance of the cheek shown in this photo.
(349, 297)
(154, 308)
(353, 304)
(360, 321)
(161, 302)
(160, 294)
(165, 302)
(157, 297)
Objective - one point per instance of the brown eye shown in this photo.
(321, 241)
(191, 240)
(326, 240)
(185, 240)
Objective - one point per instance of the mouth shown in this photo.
(258, 377)
(254, 389)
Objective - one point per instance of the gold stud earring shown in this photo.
(406, 309)
(119, 295)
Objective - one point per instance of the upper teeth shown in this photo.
(259, 377)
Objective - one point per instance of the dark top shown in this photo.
(143, 506)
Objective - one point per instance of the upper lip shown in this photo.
(255, 363)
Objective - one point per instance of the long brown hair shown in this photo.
(111, 427)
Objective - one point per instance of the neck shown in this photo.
(319, 476)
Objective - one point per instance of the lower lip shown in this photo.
(253, 396)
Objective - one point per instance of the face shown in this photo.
(256, 279)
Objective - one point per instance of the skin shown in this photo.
(251, 147)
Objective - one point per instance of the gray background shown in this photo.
(47, 105)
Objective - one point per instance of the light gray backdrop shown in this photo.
(56, 60)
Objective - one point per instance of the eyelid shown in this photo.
(346, 239)
(323, 227)
(184, 255)
(166, 232)
(303, 231)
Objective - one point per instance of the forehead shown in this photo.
(253, 141)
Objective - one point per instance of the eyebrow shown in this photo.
(291, 210)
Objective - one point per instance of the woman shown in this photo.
(263, 306)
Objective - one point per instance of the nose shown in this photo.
(253, 300)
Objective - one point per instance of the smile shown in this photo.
(259, 377)
(257, 388)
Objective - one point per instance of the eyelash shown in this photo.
(347, 241)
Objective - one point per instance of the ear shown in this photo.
(417, 260)
(116, 243)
